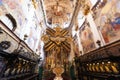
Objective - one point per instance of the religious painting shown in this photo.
(108, 21)
(86, 37)
(2, 8)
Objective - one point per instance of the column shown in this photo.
(79, 43)
(96, 35)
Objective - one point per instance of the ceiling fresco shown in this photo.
(59, 11)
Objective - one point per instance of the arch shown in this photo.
(12, 19)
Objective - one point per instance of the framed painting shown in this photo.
(86, 36)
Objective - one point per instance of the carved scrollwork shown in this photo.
(45, 38)
(86, 9)
(5, 45)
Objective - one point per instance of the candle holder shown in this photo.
(25, 36)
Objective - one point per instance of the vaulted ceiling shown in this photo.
(59, 11)
(57, 38)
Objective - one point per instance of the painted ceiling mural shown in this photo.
(2, 8)
(59, 11)
(108, 21)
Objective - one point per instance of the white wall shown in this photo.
(27, 17)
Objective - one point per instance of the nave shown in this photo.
(59, 39)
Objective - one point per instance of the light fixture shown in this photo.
(109, 62)
(102, 62)
(98, 43)
(25, 36)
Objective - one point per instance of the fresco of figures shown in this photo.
(14, 8)
(86, 38)
(27, 24)
(3, 10)
(109, 20)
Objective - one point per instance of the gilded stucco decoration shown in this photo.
(57, 45)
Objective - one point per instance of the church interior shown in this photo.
(59, 39)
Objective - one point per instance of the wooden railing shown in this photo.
(17, 60)
(100, 64)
